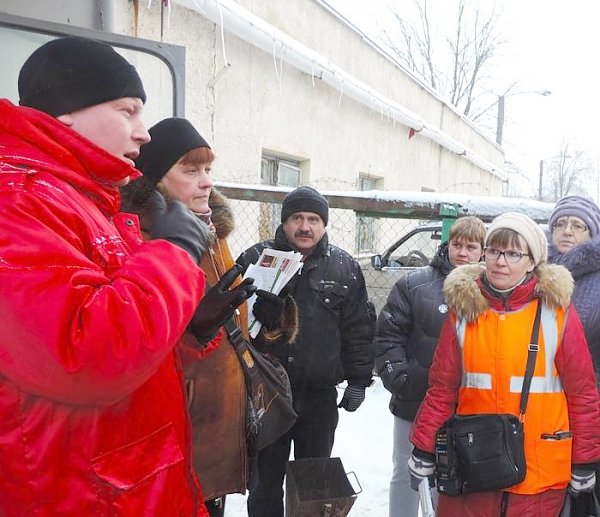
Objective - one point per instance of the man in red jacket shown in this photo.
(92, 413)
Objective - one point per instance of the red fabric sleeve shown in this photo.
(191, 351)
(442, 396)
(574, 365)
(84, 321)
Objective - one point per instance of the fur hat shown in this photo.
(172, 138)
(578, 206)
(68, 74)
(305, 199)
(526, 228)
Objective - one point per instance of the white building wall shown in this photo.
(258, 104)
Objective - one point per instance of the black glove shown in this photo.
(175, 223)
(219, 304)
(268, 309)
(353, 397)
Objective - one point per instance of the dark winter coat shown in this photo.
(583, 261)
(336, 321)
(407, 332)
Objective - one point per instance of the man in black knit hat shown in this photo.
(92, 412)
(336, 324)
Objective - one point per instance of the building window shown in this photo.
(365, 226)
(278, 172)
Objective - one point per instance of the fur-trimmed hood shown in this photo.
(468, 298)
(222, 214)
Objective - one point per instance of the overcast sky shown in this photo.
(551, 45)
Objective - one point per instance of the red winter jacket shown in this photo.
(92, 412)
(468, 298)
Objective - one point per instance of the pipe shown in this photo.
(106, 10)
(254, 30)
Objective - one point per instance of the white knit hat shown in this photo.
(527, 228)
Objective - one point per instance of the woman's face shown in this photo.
(505, 267)
(568, 232)
(190, 184)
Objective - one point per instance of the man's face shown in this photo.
(304, 230)
(116, 126)
(461, 252)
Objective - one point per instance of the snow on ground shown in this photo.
(363, 441)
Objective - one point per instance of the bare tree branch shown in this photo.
(454, 64)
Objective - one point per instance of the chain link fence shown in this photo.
(360, 236)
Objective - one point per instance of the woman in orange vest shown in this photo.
(479, 364)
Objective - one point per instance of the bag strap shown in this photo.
(533, 348)
(233, 332)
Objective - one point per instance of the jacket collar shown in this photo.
(39, 142)
(581, 260)
(440, 260)
(468, 298)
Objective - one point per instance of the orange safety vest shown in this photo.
(494, 354)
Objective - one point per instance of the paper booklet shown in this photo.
(273, 270)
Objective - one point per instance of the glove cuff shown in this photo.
(423, 455)
(361, 383)
(420, 467)
(583, 480)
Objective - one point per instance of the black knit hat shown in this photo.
(72, 73)
(305, 199)
(171, 139)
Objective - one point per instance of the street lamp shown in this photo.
(501, 100)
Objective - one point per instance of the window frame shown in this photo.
(172, 55)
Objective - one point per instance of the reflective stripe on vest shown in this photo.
(547, 384)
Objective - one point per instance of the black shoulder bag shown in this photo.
(485, 451)
(270, 406)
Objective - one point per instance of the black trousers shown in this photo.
(312, 435)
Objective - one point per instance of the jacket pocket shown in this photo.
(553, 461)
(331, 293)
(129, 466)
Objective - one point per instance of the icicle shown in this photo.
(278, 71)
(222, 34)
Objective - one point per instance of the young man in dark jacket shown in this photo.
(408, 328)
(336, 324)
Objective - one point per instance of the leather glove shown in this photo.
(219, 304)
(420, 468)
(173, 222)
(353, 397)
(268, 309)
(582, 480)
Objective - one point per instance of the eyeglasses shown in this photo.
(511, 256)
(575, 226)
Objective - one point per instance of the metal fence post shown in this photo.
(449, 213)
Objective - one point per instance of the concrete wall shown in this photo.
(257, 104)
